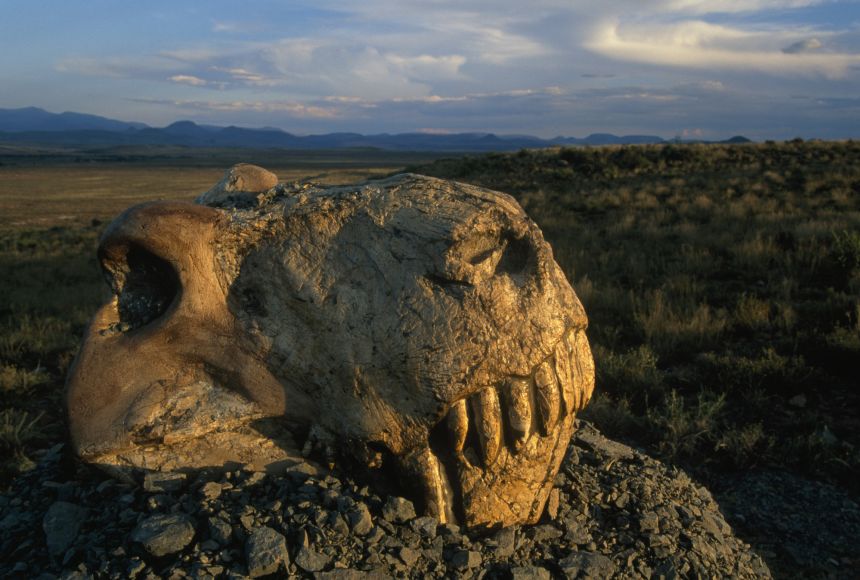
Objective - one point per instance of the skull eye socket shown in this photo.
(145, 284)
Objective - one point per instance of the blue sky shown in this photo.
(710, 68)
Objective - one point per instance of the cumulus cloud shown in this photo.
(544, 66)
(705, 46)
(189, 80)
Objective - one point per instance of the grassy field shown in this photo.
(722, 284)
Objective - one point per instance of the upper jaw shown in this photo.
(195, 426)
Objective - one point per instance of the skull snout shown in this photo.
(162, 360)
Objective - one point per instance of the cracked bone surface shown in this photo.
(418, 326)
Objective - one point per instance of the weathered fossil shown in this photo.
(412, 323)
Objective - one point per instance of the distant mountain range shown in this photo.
(34, 126)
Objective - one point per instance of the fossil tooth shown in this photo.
(458, 425)
(581, 367)
(519, 408)
(488, 423)
(431, 479)
(547, 397)
(565, 380)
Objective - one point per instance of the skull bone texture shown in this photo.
(419, 326)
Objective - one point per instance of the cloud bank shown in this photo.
(545, 67)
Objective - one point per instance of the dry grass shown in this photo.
(721, 282)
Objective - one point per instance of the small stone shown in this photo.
(255, 477)
(135, 567)
(375, 536)
(360, 520)
(649, 522)
(398, 510)
(408, 555)
(552, 504)
(505, 542)
(209, 546)
(164, 534)
(241, 182)
(301, 471)
(220, 531)
(310, 560)
(61, 525)
(589, 564)
(10, 521)
(163, 482)
(344, 574)
(543, 533)
(338, 524)
(211, 490)
(530, 573)
(465, 559)
(425, 525)
(266, 550)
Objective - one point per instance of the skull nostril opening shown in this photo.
(145, 285)
(515, 257)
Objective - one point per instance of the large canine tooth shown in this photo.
(519, 408)
(582, 367)
(547, 397)
(488, 423)
(458, 425)
(565, 380)
(430, 478)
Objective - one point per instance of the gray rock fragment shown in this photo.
(163, 482)
(266, 551)
(164, 534)
(425, 525)
(360, 520)
(600, 444)
(242, 183)
(465, 559)
(530, 573)
(220, 531)
(310, 560)
(588, 564)
(398, 510)
(61, 525)
(505, 542)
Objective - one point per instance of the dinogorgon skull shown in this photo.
(411, 322)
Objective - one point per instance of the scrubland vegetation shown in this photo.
(722, 285)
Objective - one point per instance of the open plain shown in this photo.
(722, 284)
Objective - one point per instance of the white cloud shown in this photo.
(734, 6)
(189, 80)
(547, 65)
(701, 45)
(292, 109)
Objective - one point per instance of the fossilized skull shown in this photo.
(414, 322)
